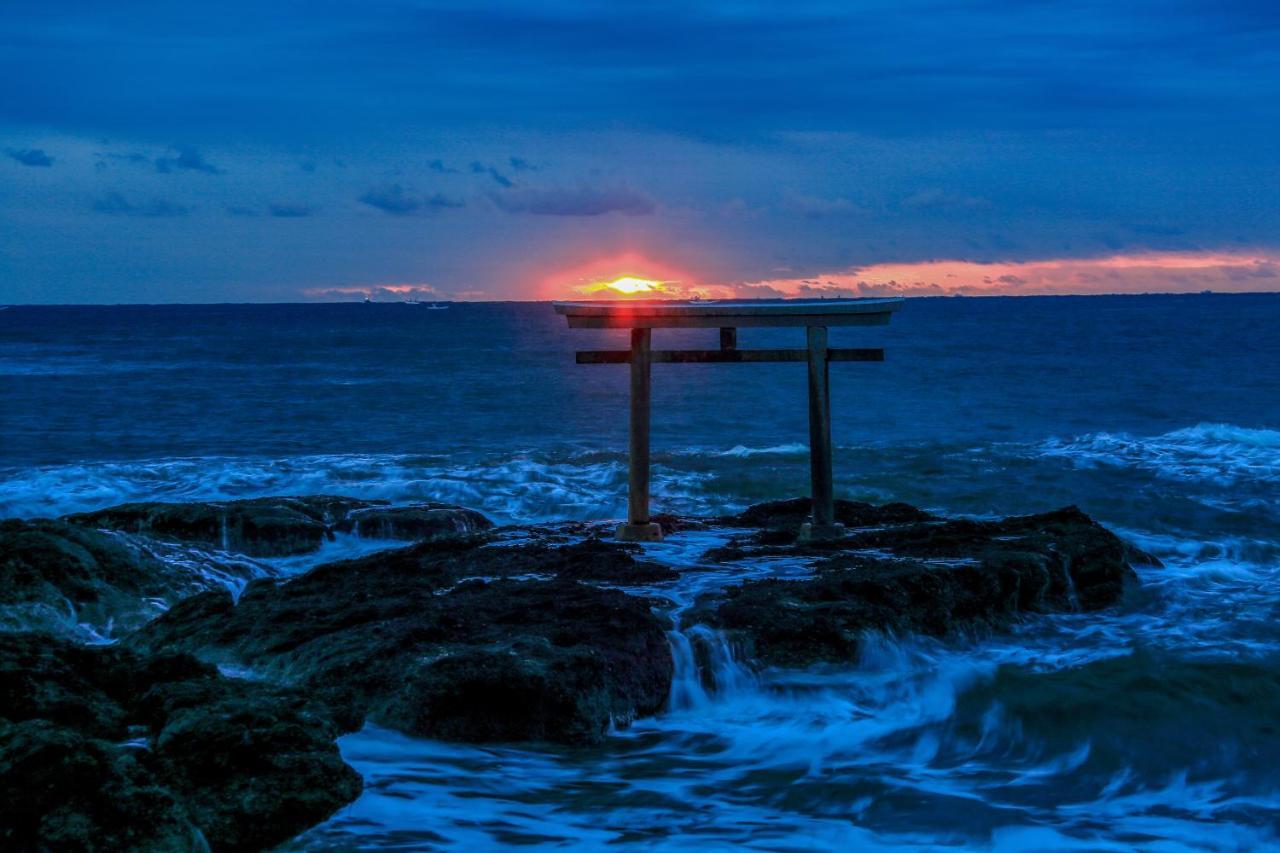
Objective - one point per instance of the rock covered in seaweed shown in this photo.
(788, 515)
(284, 526)
(56, 576)
(450, 639)
(930, 577)
(104, 749)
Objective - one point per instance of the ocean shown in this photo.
(1149, 725)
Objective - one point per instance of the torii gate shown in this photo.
(643, 317)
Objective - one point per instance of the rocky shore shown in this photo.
(211, 716)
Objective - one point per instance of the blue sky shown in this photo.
(211, 152)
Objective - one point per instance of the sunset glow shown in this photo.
(627, 285)
(629, 275)
(1138, 272)
(1142, 272)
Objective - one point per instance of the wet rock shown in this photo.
(448, 639)
(417, 522)
(56, 576)
(787, 516)
(60, 790)
(282, 526)
(101, 748)
(775, 527)
(931, 577)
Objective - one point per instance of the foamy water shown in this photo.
(1150, 725)
(919, 742)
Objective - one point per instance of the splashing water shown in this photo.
(1150, 725)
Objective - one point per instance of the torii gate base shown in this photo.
(642, 317)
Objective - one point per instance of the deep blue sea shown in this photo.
(1154, 725)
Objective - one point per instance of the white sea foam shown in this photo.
(1218, 453)
(521, 487)
(794, 449)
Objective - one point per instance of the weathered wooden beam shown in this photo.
(726, 356)
(728, 338)
(623, 321)
(820, 433)
(638, 527)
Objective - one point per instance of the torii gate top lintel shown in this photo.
(641, 317)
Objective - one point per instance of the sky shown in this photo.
(244, 151)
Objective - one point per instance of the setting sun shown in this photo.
(628, 285)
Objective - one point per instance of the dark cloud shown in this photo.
(397, 201)
(935, 199)
(134, 158)
(290, 211)
(308, 166)
(693, 68)
(478, 168)
(188, 159)
(583, 201)
(1040, 124)
(114, 204)
(814, 207)
(30, 156)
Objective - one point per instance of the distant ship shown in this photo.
(436, 306)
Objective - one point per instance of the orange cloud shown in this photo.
(1147, 272)
(375, 291)
(665, 281)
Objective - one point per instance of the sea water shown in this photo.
(1152, 724)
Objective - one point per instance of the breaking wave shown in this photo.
(527, 487)
(1218, 453)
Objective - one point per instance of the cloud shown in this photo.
(813, 207)
(395, 200)
(935, 199)
(478, 168)
(30, 156)
(376, 292)
(290, 211)
(1143, 272)
(520, 164)
(187, 159)
(115, 204)
(135, 158)
(583, 201)
(439, 166)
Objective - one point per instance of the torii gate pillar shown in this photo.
(814, 315)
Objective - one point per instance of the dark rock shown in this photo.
(103, 749)
(933, 578)
(442, 639)
(677, 523)
(282, 526)
(776, 527)
(418, 522)
(788, 515)
(55, 575)
(60, 790)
